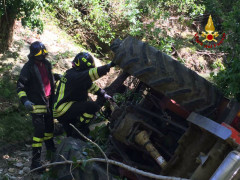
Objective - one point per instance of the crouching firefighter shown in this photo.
(71, 104)
(35, 88)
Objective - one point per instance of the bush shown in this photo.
(98, 23)
(15, 124)
(15, 128)
(227, 14)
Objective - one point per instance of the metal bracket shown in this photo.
(209, 125)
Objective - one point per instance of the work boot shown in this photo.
(36, 159)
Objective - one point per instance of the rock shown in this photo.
(26, 159)
(21, 172)
(24, 154)
(11, 170)
(18, 164)
(12, 159)
(28, 146)
(16, 69)
(26, 169)
(73, 148)
(10, 177)
(9, 61)
(1, 171)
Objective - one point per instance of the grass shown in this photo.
(15, 127)
(15, 124)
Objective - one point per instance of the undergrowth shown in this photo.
(15, 124)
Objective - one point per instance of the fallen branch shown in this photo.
(70, 167)
(208, 53)
(177, 18)
(116, 163)
(105, 156)
(178, 54)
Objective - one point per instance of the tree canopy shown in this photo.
(10, 10)
(96, 23)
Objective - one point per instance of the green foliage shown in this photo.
(109, 19)
(226, 14)
(218, 64)
(100, 135)
(129, 95)
(118, 98)
(229, 80)
(181, 60)
(159, 12)
(191, 7)
(64, 55)
(27, 11)
(7, 87)
(98, 20)
(4, 177)
(15, 126)
(87, 17)
(33, 22)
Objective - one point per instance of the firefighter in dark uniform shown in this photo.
(35, 88)
(71, 104)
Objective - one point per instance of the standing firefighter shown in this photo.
(71, 105)
(35, 89)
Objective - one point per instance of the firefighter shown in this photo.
(35, 88)
(71, 104)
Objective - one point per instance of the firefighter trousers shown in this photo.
(79, 114)
(43, 130)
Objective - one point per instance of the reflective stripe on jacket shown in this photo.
(74, 86)
(30, 85)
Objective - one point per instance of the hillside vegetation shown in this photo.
(69, 26)
(168, 25)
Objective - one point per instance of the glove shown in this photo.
(29, 105)
(106, 96)
(57, 76)
(111, 64)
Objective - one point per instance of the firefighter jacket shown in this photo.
(30, 86)
(74, 87)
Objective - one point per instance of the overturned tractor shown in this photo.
(182, 126)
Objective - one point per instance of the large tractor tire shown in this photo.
(166, 75)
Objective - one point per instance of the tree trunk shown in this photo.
(6, 30)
